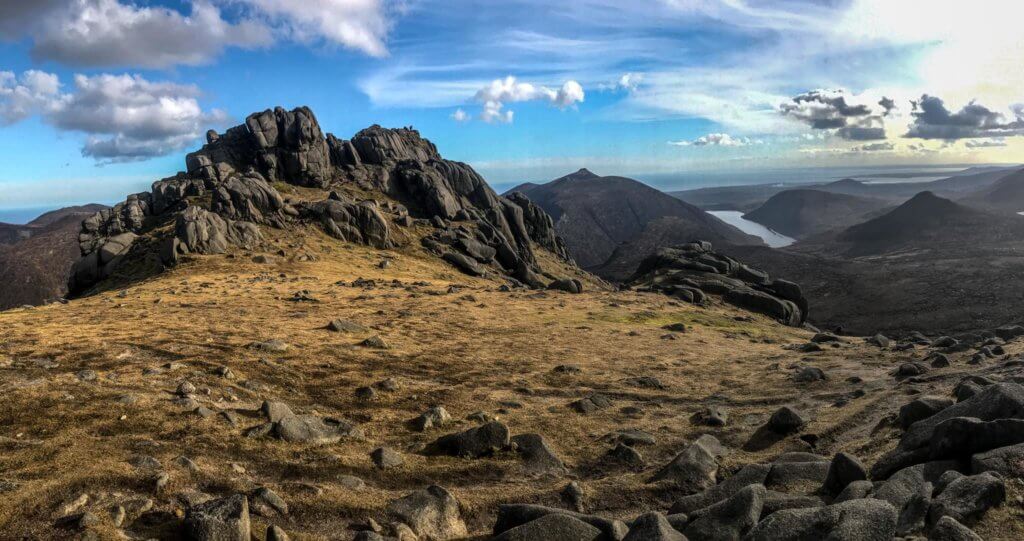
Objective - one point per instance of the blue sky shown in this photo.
(101, 97)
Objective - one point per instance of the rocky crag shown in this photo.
(690, 272)
(381, 179)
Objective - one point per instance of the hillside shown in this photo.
(926, 221)
(596, 214)
(35, 268)
(1006, 195)
(153, 397)
(802, 213)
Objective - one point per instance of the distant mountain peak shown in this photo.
(582, 174)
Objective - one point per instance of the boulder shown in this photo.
(551, 526)
(476, 442)
(538, 455)
(843, 470)
(225, 519)
(695, 468)
(728, 520)
(313, 429)
(1006, 461)
(968, 498)
(433, 514)
(568, 285)
(997, 401)
(513, 515)
(855, 520)
(948, 529)
(786, 420)
(751, 474)
(653, 527)
(922, 408)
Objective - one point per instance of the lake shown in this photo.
(736, 219)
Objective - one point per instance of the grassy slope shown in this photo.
(471, 349)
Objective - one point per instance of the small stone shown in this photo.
(265, 502)
(386, 458)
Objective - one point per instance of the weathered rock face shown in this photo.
(284, 146)
(691, 271)
(228, 190)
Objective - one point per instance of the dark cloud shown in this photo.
(874, 147)
(830, 110)
(888, 104)
(932, 120)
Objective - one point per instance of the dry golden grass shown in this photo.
(470, 349)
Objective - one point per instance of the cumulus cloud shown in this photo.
(717, 139)
(124, 117)
(109, 33)
(932, 120)
(460, 116)
(105, 33)
(498, 92)
(834, 110)
(874, 147)
(21, 97)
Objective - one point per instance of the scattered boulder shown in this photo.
(786, 420)
(225, 519)
(843, 470)
(948, 529)
(476, 442)
(513, 515)
(592, 403)
(537, 454)
(711, 416)
(434, 417)
(433, 513)
(968, 498)
(386, 458)
(695, 468)
(922, 408)
(730, 519)
(551, 526)
(1006, 461)
(860, 520)
(568, 285)
(653, 527)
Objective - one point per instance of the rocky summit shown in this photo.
(305, 337)
(230, 190)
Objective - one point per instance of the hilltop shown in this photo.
(803, 213)
(596, 214)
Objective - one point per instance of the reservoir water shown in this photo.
(736, 219)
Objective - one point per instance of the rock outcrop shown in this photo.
(228, 191)
(692, 271)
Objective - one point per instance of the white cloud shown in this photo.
(718, 140)
(357, 24)
(109, 33)
(22, 97)
(460, 116)
(493, 113)
(124, 117)
(105, 33)
(494, 95)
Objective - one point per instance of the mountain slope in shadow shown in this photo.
(802, 213)
(596, 214)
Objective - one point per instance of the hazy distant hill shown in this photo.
(1004, 195)
(802, 213)
(596, 214)
(12, 233)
